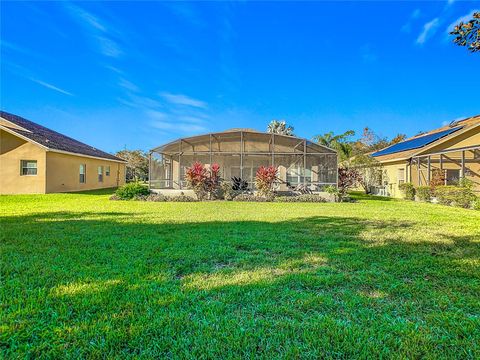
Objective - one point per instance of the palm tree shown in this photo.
(280, 128)
(337, 142)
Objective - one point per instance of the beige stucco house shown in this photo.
(451, 152)
(37, 160)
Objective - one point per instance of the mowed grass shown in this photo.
(85, 277)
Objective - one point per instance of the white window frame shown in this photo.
(24, 166)
(100, 173)
(84, 179)
(400, 179)
(107, 170)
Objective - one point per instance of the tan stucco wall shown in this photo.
(63, 173)
(12, 151)
(390, 177)
(56, 172)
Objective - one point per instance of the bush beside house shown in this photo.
(461, 195)
(408, 190)
(130, 191)
(424, 193)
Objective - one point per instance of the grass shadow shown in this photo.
(104, 191)
(88, 284)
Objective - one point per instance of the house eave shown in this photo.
(46, 148)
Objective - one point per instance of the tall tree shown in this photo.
(137, 164)
(370, 142)
(338, 142)
(468, 34)
(398, 138)
(369, 170)
(280, 128)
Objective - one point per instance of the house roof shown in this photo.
(419, 143)
(50, 139)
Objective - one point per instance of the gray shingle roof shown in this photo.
(52, 139)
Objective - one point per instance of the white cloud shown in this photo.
(96, 29)
(114, 69)
(179, 99)
(164, 121)
(86, 17)
(429, 29)
(186, 11)
(464, 19)
(140, 102)
(51, 87)
(22, 50)
(108, 47)
(124, 83)
(414, 15)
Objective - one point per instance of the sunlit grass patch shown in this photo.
(84, 288)
(85, 277)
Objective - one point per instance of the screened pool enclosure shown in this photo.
(240, 152)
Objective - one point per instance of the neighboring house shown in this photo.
(240, 152)
(37, 160)
(447, 154)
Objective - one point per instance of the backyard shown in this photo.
(83, 276)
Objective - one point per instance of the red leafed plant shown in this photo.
(264, 180)
(213, 181)
(204, 182)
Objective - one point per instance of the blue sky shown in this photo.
(138, 74)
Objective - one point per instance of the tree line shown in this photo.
(347, 148)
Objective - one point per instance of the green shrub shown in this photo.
(424, 193)
(156, 198)
(301, 198)
(228, 190)
(455, 195)
(159, 198)
(131, 190)
(332, 190)
(408, 191)
(466, 183)
(140, 197)
(251, 198)
(476, 204)
(180, 198)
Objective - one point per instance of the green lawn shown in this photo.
(85, 277)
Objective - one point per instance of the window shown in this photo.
(401, 176)
(452, 176)
(28, 167)
(100, 174)
(107, 170)
(83, 169)
(296, 175)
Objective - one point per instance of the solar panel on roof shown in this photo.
(415, 143)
